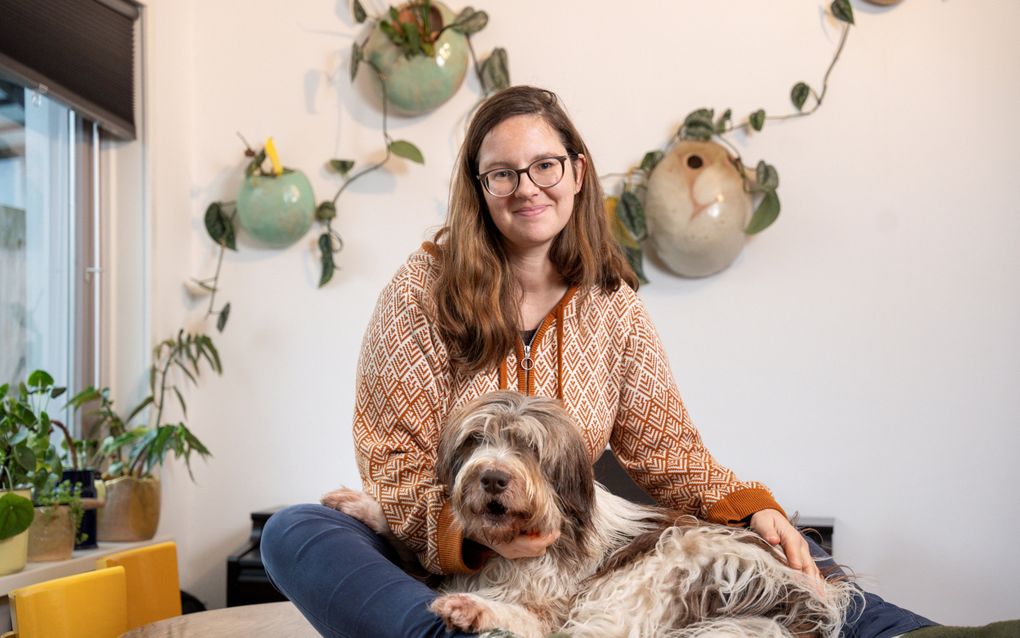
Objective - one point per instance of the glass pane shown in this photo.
(36, 239)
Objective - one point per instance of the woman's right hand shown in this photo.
(527, 545)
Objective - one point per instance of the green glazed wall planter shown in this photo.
(420, 84)
(276, 210)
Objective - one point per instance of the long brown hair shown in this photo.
(477, 295)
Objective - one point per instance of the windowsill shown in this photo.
(82, 560)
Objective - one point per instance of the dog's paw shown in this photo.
(358, 505)
(464, 612)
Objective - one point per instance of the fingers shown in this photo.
(798, 553)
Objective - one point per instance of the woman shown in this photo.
(523, 288)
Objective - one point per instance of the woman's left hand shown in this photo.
(777, 530)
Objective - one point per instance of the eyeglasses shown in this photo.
(544, 173)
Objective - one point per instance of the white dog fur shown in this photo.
(515, 464)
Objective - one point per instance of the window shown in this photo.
(47, 239)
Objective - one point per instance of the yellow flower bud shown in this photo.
(273, 157)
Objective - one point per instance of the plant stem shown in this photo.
(386, 138)
(70, 442)
(216, 279)
(818, 98)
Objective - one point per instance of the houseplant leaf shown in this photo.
(341, 166)
(757, 119)
(326, 253)
(842, 10)
(405, 149)
(799, 94)
(359, 12)
(765, 214)
(16, 514)
(632, 215)
(495, 71)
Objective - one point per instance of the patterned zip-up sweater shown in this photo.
(598, 353)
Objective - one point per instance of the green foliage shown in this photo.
(842, 10)
(326, 250)
(359, 12)
(495, 71)
(64, 494)
(137, 450)
(407, 150)
(757, 119)
(220, 225)
(341, 166)
(799, 94)
(16, 514)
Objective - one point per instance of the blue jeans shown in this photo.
(344, 579)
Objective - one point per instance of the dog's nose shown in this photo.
(495, 481)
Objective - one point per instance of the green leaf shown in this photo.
(221, 320)
(632, 215)
(407, 150)
(359, 12)
(472, 23)
(326, 251)
(256, 163)
(650, 160)
(723, 121)
(325, 211)
(766, 176)
(56, 392)
(16, 514)
(413, 37)
(698, 125)
(635, 257)
(495, 71)
(219, 227)
(40, 379)
(842, 11)
(765, 214)
(799, 94)
(341, 166)
(25, 457)
(394, 15)
(180, 400)
(757, 119)
(356, 57)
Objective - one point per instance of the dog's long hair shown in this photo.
(515, 465)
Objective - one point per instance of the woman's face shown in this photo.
(531, 217)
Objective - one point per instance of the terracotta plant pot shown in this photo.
(51, 536)
(132, 508)
(14, 550)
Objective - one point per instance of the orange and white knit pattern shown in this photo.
(598, 353)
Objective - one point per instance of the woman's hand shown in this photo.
(776, 530)
(527, 545)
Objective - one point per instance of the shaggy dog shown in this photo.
(515, 465)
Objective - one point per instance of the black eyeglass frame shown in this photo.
(562, 159)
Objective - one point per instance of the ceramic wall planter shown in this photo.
(419, 84)
(276, 210)
(696, 209)
(14, 550)
(131, 512)
(51, 536)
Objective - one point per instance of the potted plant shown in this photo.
(54, 530)
(21, 415)
(131, 454)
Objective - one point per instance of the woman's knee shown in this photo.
(298, 529)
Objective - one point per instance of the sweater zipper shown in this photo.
(527, 363)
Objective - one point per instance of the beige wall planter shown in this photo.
(132, 508)
(51, 536)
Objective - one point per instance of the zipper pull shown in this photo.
(527, 363)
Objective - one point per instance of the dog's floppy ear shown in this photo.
(448, 459)
(574, 480)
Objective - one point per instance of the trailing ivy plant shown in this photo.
(626, 212)
(414, 33)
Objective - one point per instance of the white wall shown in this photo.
(858, 357)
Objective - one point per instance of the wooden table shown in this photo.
(269, 620)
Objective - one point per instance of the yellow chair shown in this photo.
(153, 591)
(89, 605)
